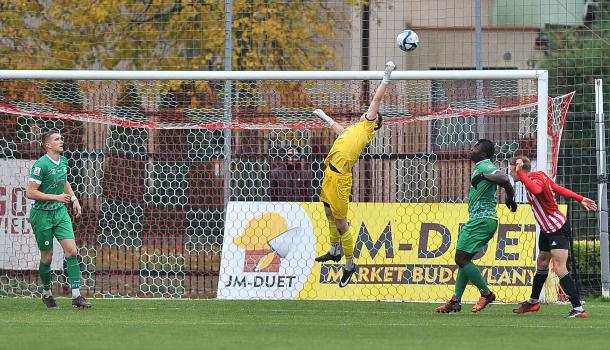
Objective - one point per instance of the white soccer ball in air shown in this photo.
(407, 40)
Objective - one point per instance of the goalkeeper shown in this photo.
(337, 183)
(49, 188)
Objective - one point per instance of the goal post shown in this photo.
(176, 206)
(540, 75)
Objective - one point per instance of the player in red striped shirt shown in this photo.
(555, 233)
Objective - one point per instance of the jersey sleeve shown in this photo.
(38, 172)
(533, 186)
(564, 192)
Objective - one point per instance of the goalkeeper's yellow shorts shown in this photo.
(336, 189)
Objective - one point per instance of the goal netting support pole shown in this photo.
(602, 198)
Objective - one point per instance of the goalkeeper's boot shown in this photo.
(329, 257)
(50, 302)
(346, 277)
(453, 305)
(485, 299)
(577, 314)
(526, 306)
(80, 302)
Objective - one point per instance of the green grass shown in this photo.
(215, 324)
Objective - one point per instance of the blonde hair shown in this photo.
(527, 164)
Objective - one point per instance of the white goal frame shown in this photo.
(541, 77)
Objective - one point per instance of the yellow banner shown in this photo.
(406, 252)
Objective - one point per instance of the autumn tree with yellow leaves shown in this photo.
(166, 35)
(156, 34)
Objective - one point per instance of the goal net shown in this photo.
(210, 187)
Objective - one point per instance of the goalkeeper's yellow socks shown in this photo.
(347, 241)
(335, 240)
(334, 234)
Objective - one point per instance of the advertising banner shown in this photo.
(404, 251)
(18, 250)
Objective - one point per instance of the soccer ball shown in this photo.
(407, 40)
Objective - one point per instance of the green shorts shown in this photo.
(475, 234)
(47, 224)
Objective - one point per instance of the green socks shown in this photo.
(460, 284)
(73, 272)
(45, 275)
(474, 275)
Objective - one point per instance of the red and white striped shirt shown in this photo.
(541, 191)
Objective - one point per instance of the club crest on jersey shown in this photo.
(37, 171)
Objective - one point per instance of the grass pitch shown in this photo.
(216, 324)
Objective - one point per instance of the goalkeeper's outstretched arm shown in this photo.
(376, 102)
(336, 127)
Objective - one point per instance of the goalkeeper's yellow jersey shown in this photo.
(348, 147)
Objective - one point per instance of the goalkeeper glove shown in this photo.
(475, 180)
(320, 113)
(511, 204)
(389, 67)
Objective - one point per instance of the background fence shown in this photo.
(570, 38)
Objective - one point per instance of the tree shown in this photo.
(156, 35)
(151, 34)
(576, 57)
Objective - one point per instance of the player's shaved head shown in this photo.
(487, 147)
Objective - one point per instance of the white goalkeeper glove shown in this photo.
(389, 68)
(320, 113)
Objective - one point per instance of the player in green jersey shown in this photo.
(48, 186)
(480, 227)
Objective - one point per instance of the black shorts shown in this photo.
(559, 239)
